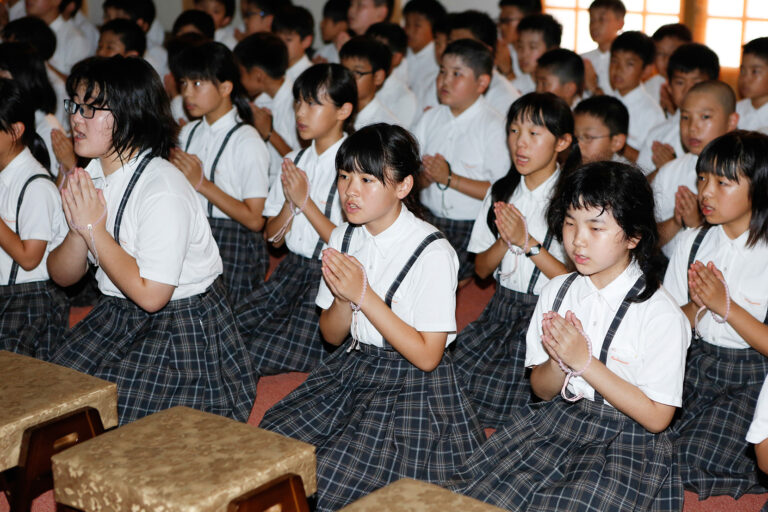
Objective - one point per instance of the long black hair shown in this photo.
(623, 191)
(216, 63)
(16, 109)
(335, 81)
(26, 66)
(542, 109)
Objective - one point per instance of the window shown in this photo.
(731, 23)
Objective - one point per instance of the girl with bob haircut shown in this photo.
(225, 159)
(387, 404)
(279, 319)
(163, 330)
(720, 267)
(608, 338)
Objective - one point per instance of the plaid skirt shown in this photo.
(586, 456)
(33, 318)
(244, 255)
(376, 418)
(719, 399)
(489, 356)
(458, 233)
(279, 321)
(188, 353)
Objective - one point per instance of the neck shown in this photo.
(112, 162)
(362, 103)
(329, 139)
(605, 277)
(460, 109)
(381, 224)
(417, 50)
(738, 227)
(50, 16)
(272, 85)
(627, 90)
(759, 101)
(536, 178)
(8, 157)
(220, 111)
(295, 60)
(604, 47)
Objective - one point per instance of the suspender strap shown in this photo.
(536, 270)
(192, 134)
(216, 160)
(563, 290)
(14, 265)
(437, 235)
(327, 213)
(695, 248)
(124, 201)
(347, 238)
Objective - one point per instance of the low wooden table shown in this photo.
(33, 392)
(179, 459)
(414, 496)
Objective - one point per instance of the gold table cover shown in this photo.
(179, 459)
(33, 391)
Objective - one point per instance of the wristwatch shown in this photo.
(533, 251)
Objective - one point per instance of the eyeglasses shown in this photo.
(360, 74)
(589, 138)
(505, 20)
(248, 14)
(87, 111)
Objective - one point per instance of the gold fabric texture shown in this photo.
(179, 459)
(414, 496)
(33, 391)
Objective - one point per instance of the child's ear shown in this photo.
(733, 121)
(483, 81)
(617, 142)
(17, 130)
(225, 88)
(397, 58)
(404, 187)
(570, 89)
(143, 25)
(344, 111)
(632, 242)
(563, 142)
(307, 42)
(378, 77)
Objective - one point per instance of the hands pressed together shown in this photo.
(562, 339)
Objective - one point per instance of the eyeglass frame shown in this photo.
(249, 14)
(79, 107)
(591, 138)
(360, 74)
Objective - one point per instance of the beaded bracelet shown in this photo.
(569, 372)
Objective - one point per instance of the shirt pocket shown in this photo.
(623, 357)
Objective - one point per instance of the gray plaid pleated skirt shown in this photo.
(244, 255)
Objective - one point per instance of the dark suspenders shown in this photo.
(328, 208)
(129, 189)
(536, 270)
(14, 265)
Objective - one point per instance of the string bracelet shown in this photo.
(717, 318)
(517, 251)
(294, 212)
(355, 311)
(569, 372)
(89, 228)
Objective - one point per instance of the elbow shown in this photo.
(481, 271)
(255, 223)
(659, 423)
(29, 263)
(153, 305)
(427, 366)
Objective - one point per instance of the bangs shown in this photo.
(542, 109)
(195, 63)
(311, 86)
(94, 90)
(724, 157)
(365, 156)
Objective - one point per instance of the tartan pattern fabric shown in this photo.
(244, 256)
(719, 399)
(489, 356)
(33, 318)
(585, 456)
(279, 321)
(376, 418)
(188, 353)
(458, 233)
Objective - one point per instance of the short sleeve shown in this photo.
(324, 298)
(758, 430)
(676, 277)
(38, 211)
(497, 152)
(275, 199)
(434, 303)
(253, 155)
(662, 194)
(482, 238)
(534, 350)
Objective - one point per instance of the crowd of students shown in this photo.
(619, 199)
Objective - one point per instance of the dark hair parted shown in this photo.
(263, 50)
(474, 54)
(292, 18)
(479, 24)
(432, 10)
(34, 31)
(550, 29)
(622, 191)
(133, 92)
(566, 65)
(135, 9)
(691, 57)
(542, 109)
(323, 82)
(130, 34)
(673, 30)
(336, 10)
(16, 109)
(757, 47)
(216, 63)
(609, 110)
(526, 6)
(617, 6)
(635, 42)
(27, 68)
(391, 34)
(387, 152)
(738, 155)
(369, 49)
(201, 20)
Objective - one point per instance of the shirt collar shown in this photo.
(426, 51)
(543, 191)
(57, 23)
(16, 167)
(286, 89)
(330, 151)
(471, 112)
(125, 172)
(633, 95)
(388, 241)
(739, 243)
(613, 294)
(222, 124)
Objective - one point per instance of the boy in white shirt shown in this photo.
(71, 44)
(561, 72)
(606, 19)
(753, 86)
(258, 16)
(667, 39)
(631, 54)
(600, 126)
(296, 27)
(142, 12)
(222, 12)
(511, 12)
(421, 18)
(333, 30)
(537, 34)
(462, 144)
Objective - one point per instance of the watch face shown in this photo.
(534, 250)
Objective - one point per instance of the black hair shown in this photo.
(387, 152)
(526, 6)
(550, 29)
(757, 47)
(335, 81)
(690, 57)
(292, 18)
(474, 54)
(229, 7)
(432, 10)
(16, 109)
(738, 155)
(389, 4)
(135, 9)
(623, 191)
(336, 10)
(263, 50)
(442, 25)
(617, 6)
(635, 42)
(391, 34)
(673, 30)
(216, 63)
(176, 44)
(566, 65)
(270, 7)
(64, 3)
(34, 31)
(26, 67)
(542, 109)
(133, 92)
(609, 110)
(370, 49)
(201, 20)
(479, 24)
(720, 91)
(130, 34)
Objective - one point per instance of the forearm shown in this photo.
(279, 144)
(487, 262)
(667, 230)
(319, 221)
(469, 187)
(547, 379)
(761, 450)
(237, 210)
(548, 264)
(690, 310)
(68, 263)
(27, 253)
(752, 330)
(335, 322)
(274, 224)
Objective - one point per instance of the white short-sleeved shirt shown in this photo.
(71, 45)
(401, 71)
(667, 132)
(321, 173)
(533, 205)
(751, 118)
(743, 269)
(423, 70)
(649, 347)
(758, 430)
(157, 56)
(644, 114)
(17, 10)
(164, 228)
(515, 61)
(601, 62)
(426, 299)
(524, 83)
(653, 87)
(156, 33)
(375, 112)
(473, 143)
(329, 52)
(679, 172)
(399, 99)
(242, 170)
(226, 36)
(298, 68)
(42, 217)
(501, 93)
(88, 29)
(44, 125)
(283, 122)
